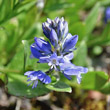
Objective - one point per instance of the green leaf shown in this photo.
(94, 80)
(59, 87)
(17, 85)
(24, 6)
(26, 45)
(3, 77)
(17, 61)
(79, 29)
(90, 3)
(81, 54)
(5, 9)
(106, 88)
(91, 19)
(53, 79)
(58, 6)
(105, 2)
(27, 60)
(103, 39)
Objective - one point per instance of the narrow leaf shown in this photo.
(91, 19)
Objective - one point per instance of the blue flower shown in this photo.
(107, 14)
(57, 52)
(34, 76)
(55, 29)
(53, 60)
(40, 48)
(62, 28)
(69, 43)
(69, 69)
(54, 38)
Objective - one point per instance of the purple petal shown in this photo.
(30, 83)
(53, 56)
(69, 56)
(43, 45)
(65, 29)
(35, 84)
(28, 73)
(70, 42)
(71, 69)
(60, 59)
(57, 20)
(64, 66)
(43, 77)
(71, 72)
(59, 29)
(53, 38)
(49, 20)
(82, 69)
(107, 14)
(47, 80)
(45, 59)
(35, 52)
(67, 76)
(79, 78)
(29, 80)
(45, 31)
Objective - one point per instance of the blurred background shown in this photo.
(21, 21)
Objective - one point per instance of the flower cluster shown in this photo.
(107, 14)
(57, 52)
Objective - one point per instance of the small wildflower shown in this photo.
(34, 76)
(53, 60)
(69, 69)
(58, 52)
(107, 14)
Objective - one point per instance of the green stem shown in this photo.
(9, 71)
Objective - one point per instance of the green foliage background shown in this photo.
(21, 21)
